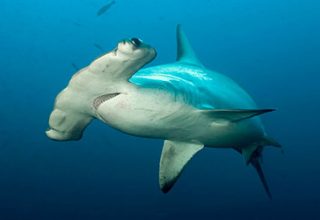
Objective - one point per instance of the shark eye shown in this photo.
(136, 41)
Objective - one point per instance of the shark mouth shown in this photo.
(101, 99)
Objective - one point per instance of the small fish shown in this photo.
(98, 46)
(75, 23)
(75, 66)
(105, 8)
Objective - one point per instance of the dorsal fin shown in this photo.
(185, 52)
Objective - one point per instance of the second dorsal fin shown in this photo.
(185, 52)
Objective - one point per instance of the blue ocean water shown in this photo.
(270, 47)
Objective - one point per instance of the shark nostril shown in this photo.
(136, 41)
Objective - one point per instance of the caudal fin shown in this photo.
(256, 164)
(253, 156)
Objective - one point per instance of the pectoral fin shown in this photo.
(175, 155)
(234, 115)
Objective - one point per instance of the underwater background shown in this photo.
(270, 47)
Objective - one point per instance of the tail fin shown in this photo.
(253, 156)
(255, 162)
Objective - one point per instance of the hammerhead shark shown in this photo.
(183, 103)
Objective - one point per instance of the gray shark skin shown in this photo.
(183, 103)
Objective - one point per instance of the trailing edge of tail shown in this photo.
(256, 164)
(253, 155)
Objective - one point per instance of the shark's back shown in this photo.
(198, 86)
(188, 79)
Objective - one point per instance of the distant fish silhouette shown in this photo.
(75, 66)
(98, 46)
(105, 8)
(75, 23)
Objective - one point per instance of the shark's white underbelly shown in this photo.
(155, 113)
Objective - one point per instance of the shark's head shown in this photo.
(127, 58)
(104, 76)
